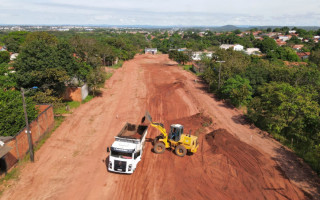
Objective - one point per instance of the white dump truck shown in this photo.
(127, 149)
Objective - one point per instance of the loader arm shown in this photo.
(160, 127)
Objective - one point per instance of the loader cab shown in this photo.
(176, 130)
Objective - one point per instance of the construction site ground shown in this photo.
(235, 160)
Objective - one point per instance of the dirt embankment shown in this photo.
(235, 163)
(249, 170)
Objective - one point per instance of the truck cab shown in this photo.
(126, 151)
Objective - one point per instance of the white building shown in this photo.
(14, 56)
(196, 56)
(238, 47)
(253, 51)
(284, 37)
(235, 47)
(226, 46)
(150, 51)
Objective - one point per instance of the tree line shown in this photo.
(48, 62)
(281, 100)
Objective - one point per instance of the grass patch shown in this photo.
(66, 107)
(187, 67)
(108, 75)
(88, 98)
(118, 65)
(12, 175)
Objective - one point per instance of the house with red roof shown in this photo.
(298, 47)
(303, 55)
(280, 42)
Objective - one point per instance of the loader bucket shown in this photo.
(146, 116)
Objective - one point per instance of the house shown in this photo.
(280, 42)
(3, 48)
(256, 33)
(201, 34)
(292, 32)
(285, 37)
(272, 34)
(13, 56)
(303, 55)
(182, 49)
(150, 51)
(235, 47)
(238, 47)
(196, 56)
(226, 46)
(316, 37)
(253, 51)
(74, 93)
(298, 47)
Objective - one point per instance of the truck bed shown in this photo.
(132, 131)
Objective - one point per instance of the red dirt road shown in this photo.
(234, 163)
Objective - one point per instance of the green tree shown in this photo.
(267, 44)
(7, 78)
(12, 115)
(14, 40)
(283, 109)
(42, 64)
(180, 57)
(315, 57)
(4, 57)
(238, 90)
(96, 79)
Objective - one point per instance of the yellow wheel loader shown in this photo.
(175, 140)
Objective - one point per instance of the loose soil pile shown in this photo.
(248, 170)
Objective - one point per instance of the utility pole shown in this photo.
(27, 125)
(219, 83)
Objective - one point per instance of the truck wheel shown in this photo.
(159, 147)
(181, 150)
(155, 141)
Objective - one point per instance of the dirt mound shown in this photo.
(249, 170)
(195, 123)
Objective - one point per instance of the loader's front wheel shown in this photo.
(181, 150)
(159, 147)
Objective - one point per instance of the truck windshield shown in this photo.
(121, 155)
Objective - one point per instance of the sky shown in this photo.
(161, 12)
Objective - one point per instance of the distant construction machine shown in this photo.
(176, 140)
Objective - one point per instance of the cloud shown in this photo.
(165, 12)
